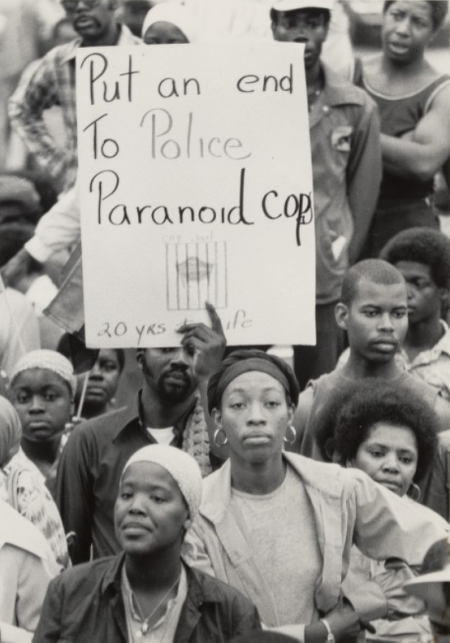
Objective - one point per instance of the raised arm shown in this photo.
(208, 346)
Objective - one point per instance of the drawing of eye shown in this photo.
(194, 269)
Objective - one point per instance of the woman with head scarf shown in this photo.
(21, 488)
(279, 527)
(169, 24)
(147, 593)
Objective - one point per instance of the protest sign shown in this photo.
(195, 184)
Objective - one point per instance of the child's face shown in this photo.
(389, 456)
(376, 320)
(43, 402)
(103, 379)
(424, 297)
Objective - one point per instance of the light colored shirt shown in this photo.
(163, 631)
(162, 436)
(288, 558)
(19, 328)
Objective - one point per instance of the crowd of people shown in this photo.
(212, 493)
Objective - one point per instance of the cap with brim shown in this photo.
(422, 586)
(293, 5)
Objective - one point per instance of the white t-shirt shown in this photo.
(162, 436)
(283, 538)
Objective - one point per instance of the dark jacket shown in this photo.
(85, 605)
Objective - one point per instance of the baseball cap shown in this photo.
(292, 5)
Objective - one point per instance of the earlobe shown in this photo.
(217, 418)
(187, 524)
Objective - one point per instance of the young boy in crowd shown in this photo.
(423, 257)
(373, 310)
(42, 391)
(101, 386)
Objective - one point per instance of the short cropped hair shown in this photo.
(374, 271)
(376, 400)
(439, 9)
(214, 397)
(422, 245)
(313, 10)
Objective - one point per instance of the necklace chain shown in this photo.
(145, 625)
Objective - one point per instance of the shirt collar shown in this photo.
(134, 413)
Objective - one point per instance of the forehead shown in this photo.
(393, 436)
(417, 8)
(413, 269)
(148, 475)
(39, 378)
(108, 354)
(382, 295)
(253, 382)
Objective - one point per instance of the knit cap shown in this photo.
(181, 466)
(50, 360)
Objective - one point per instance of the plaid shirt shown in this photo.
(53, 83)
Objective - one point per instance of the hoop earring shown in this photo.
(220, 444)
(285, 439)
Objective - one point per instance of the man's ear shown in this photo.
(444, 297)
(140, 357)
(341, 315)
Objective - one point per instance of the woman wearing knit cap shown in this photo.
(21, 488)
(147, 594)
(169, 24)
(42, 392)
(279, 527)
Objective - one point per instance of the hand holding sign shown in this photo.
(207, 344)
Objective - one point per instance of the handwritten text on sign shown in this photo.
(195, 184)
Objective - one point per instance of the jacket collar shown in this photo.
(324, 485)
(337, 92)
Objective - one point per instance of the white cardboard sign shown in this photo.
(195, 184)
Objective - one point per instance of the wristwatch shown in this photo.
(330, 636)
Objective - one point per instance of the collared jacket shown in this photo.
(348, 508)
(89, 472)
(53, 83)
(85, 604)
(347, 168)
